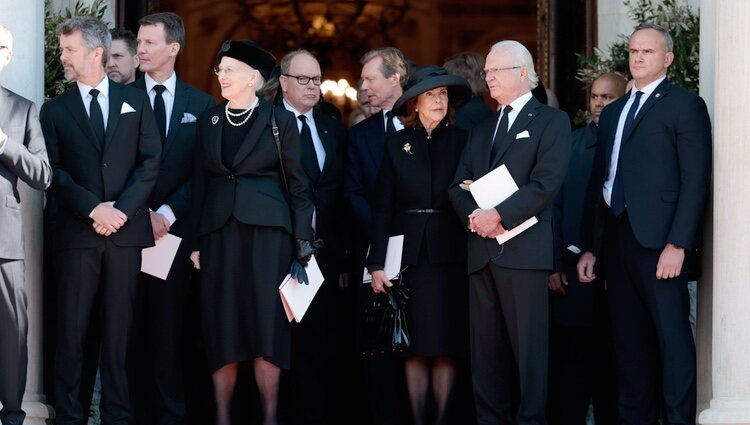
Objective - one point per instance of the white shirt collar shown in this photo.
(292, 109)
(649, 88)
(520, 102)
(170, 83)
(103, 88)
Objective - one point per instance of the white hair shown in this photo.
(522, 56)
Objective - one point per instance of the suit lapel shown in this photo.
(178, 110)
(376, 138)
(524, 117)
(261, 121)
(115, 106)
(215, 130)
(5, 104)
(658, 94)
(74, 104)
(326, 137)
(611, 130)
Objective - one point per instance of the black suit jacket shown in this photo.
(252, 190)
(174, 184)
(24, 157)
(364, 156)
(537, 164)
(409, 179)
(327, 187)
(665, 165)
(85, 174)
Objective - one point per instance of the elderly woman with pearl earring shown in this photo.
(252, 216)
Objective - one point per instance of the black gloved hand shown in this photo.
(298, 272)
(305, 249)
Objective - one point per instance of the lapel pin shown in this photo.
(530, 114)
(214, 119)
(657, 95)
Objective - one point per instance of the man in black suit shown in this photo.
(581, 368)
(649, 186)
(103, 175)
(384, 73)
(22, 157)
(161, 309)
(508, 283)
(322, 144)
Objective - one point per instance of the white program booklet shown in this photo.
(297, 297)
(392, 264)
(157, 260)
(492, 189)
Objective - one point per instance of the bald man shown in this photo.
(580, 360)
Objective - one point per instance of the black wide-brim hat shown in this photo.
(251, 53)
(429, 77)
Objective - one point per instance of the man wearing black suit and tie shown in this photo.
(508, 297)
(103, 175)
(649, 186)
(22, 157)
(322, 146)
(161, 308)
(383, 76)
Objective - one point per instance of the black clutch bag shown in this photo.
(385, 328)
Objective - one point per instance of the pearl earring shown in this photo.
(416, 109)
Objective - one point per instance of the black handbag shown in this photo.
(385, 328)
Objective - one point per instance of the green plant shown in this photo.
(54, 77)
(684, 26)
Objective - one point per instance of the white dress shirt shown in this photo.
(610, 181)
(168, 95)
(517, 105)
(396, 122)
(103, 98)
(320, 151)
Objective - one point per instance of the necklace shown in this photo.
(248, 111)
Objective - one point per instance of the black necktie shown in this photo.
(390, 128)
(617, 198)
(160, 112)
(502, 131)
(95, 116)
(308, 148)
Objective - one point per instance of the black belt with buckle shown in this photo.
(423, 211)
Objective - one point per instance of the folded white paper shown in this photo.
(297, 297)
(126, 108)
(157, 260)
(492, 189)
(392, 264)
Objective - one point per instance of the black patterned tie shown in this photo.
(160, 111)
(617, 198)
(502, 131)
(390, 128)
(95, 117)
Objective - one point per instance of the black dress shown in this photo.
(412, 199)
(243, 264)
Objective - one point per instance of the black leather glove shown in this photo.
(298, 272)
(305, 250)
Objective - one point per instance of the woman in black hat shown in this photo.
(412, 199)
(245, 226)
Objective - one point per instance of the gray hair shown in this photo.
(5, 30)
(522, 56)
(93, 30)
(393, 62)
(286, 61)
(668, 43)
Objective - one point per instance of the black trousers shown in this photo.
(159, 345)
(95, 284)
(14, 327)
(654, 346)
(509, 320)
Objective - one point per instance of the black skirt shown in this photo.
(243, 318)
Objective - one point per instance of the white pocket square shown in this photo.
(126, 108)
(523, 135)
(188, 117)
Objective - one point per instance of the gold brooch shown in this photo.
(407, 148)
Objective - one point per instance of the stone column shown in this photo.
(25, 76)
(730, 402)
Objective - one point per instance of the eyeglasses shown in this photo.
(492, 71)
(227, 71)
(4, 47)
(303, 80)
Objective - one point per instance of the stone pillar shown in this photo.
(730, 377)
(25, 76)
